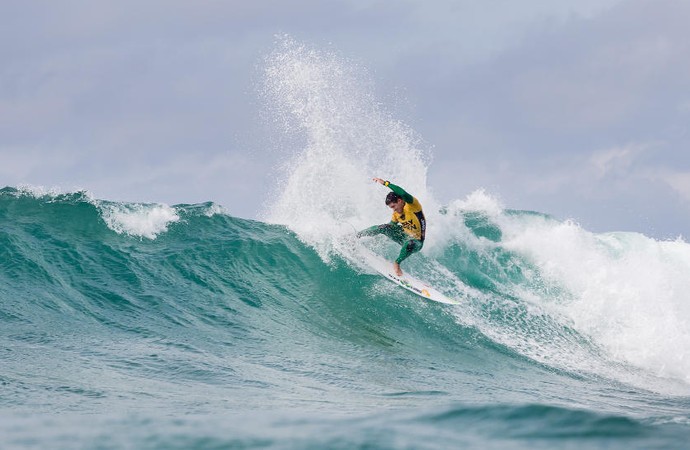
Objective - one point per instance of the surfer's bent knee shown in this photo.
(408, 248)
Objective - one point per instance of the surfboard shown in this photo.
(406, 281)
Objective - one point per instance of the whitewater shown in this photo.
(144, 325)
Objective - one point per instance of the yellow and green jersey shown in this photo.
(412, 218)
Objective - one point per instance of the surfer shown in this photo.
(407, 226)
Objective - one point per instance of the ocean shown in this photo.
(154, 326)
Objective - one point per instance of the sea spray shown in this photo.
(327, 191)
(326, 187)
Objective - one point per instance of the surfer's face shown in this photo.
(397, 206)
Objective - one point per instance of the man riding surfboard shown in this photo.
(407, 226)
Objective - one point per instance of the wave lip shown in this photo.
(143, 220)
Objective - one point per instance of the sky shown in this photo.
(578, 109)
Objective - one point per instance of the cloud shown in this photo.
(618, 160)
(615, 74)
(34, 163)
(574, 117)
(678, 180)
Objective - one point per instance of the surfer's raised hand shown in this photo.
(380, 181)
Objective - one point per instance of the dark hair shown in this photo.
(392, 197)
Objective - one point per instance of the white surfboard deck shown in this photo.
(406, 281)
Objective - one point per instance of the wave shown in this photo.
(610, 305)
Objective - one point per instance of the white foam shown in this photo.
(628, 293)
(215, 209)
(478, 201)
(38, 191)
(445, 226)
(53, 192)
(142, 220)
(624, 295)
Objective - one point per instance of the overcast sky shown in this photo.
(577, 108)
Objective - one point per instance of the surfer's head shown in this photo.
(395, 202)
(392, 197)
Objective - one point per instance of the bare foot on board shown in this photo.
(397, 270)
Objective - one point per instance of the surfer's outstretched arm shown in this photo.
(397, 189)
